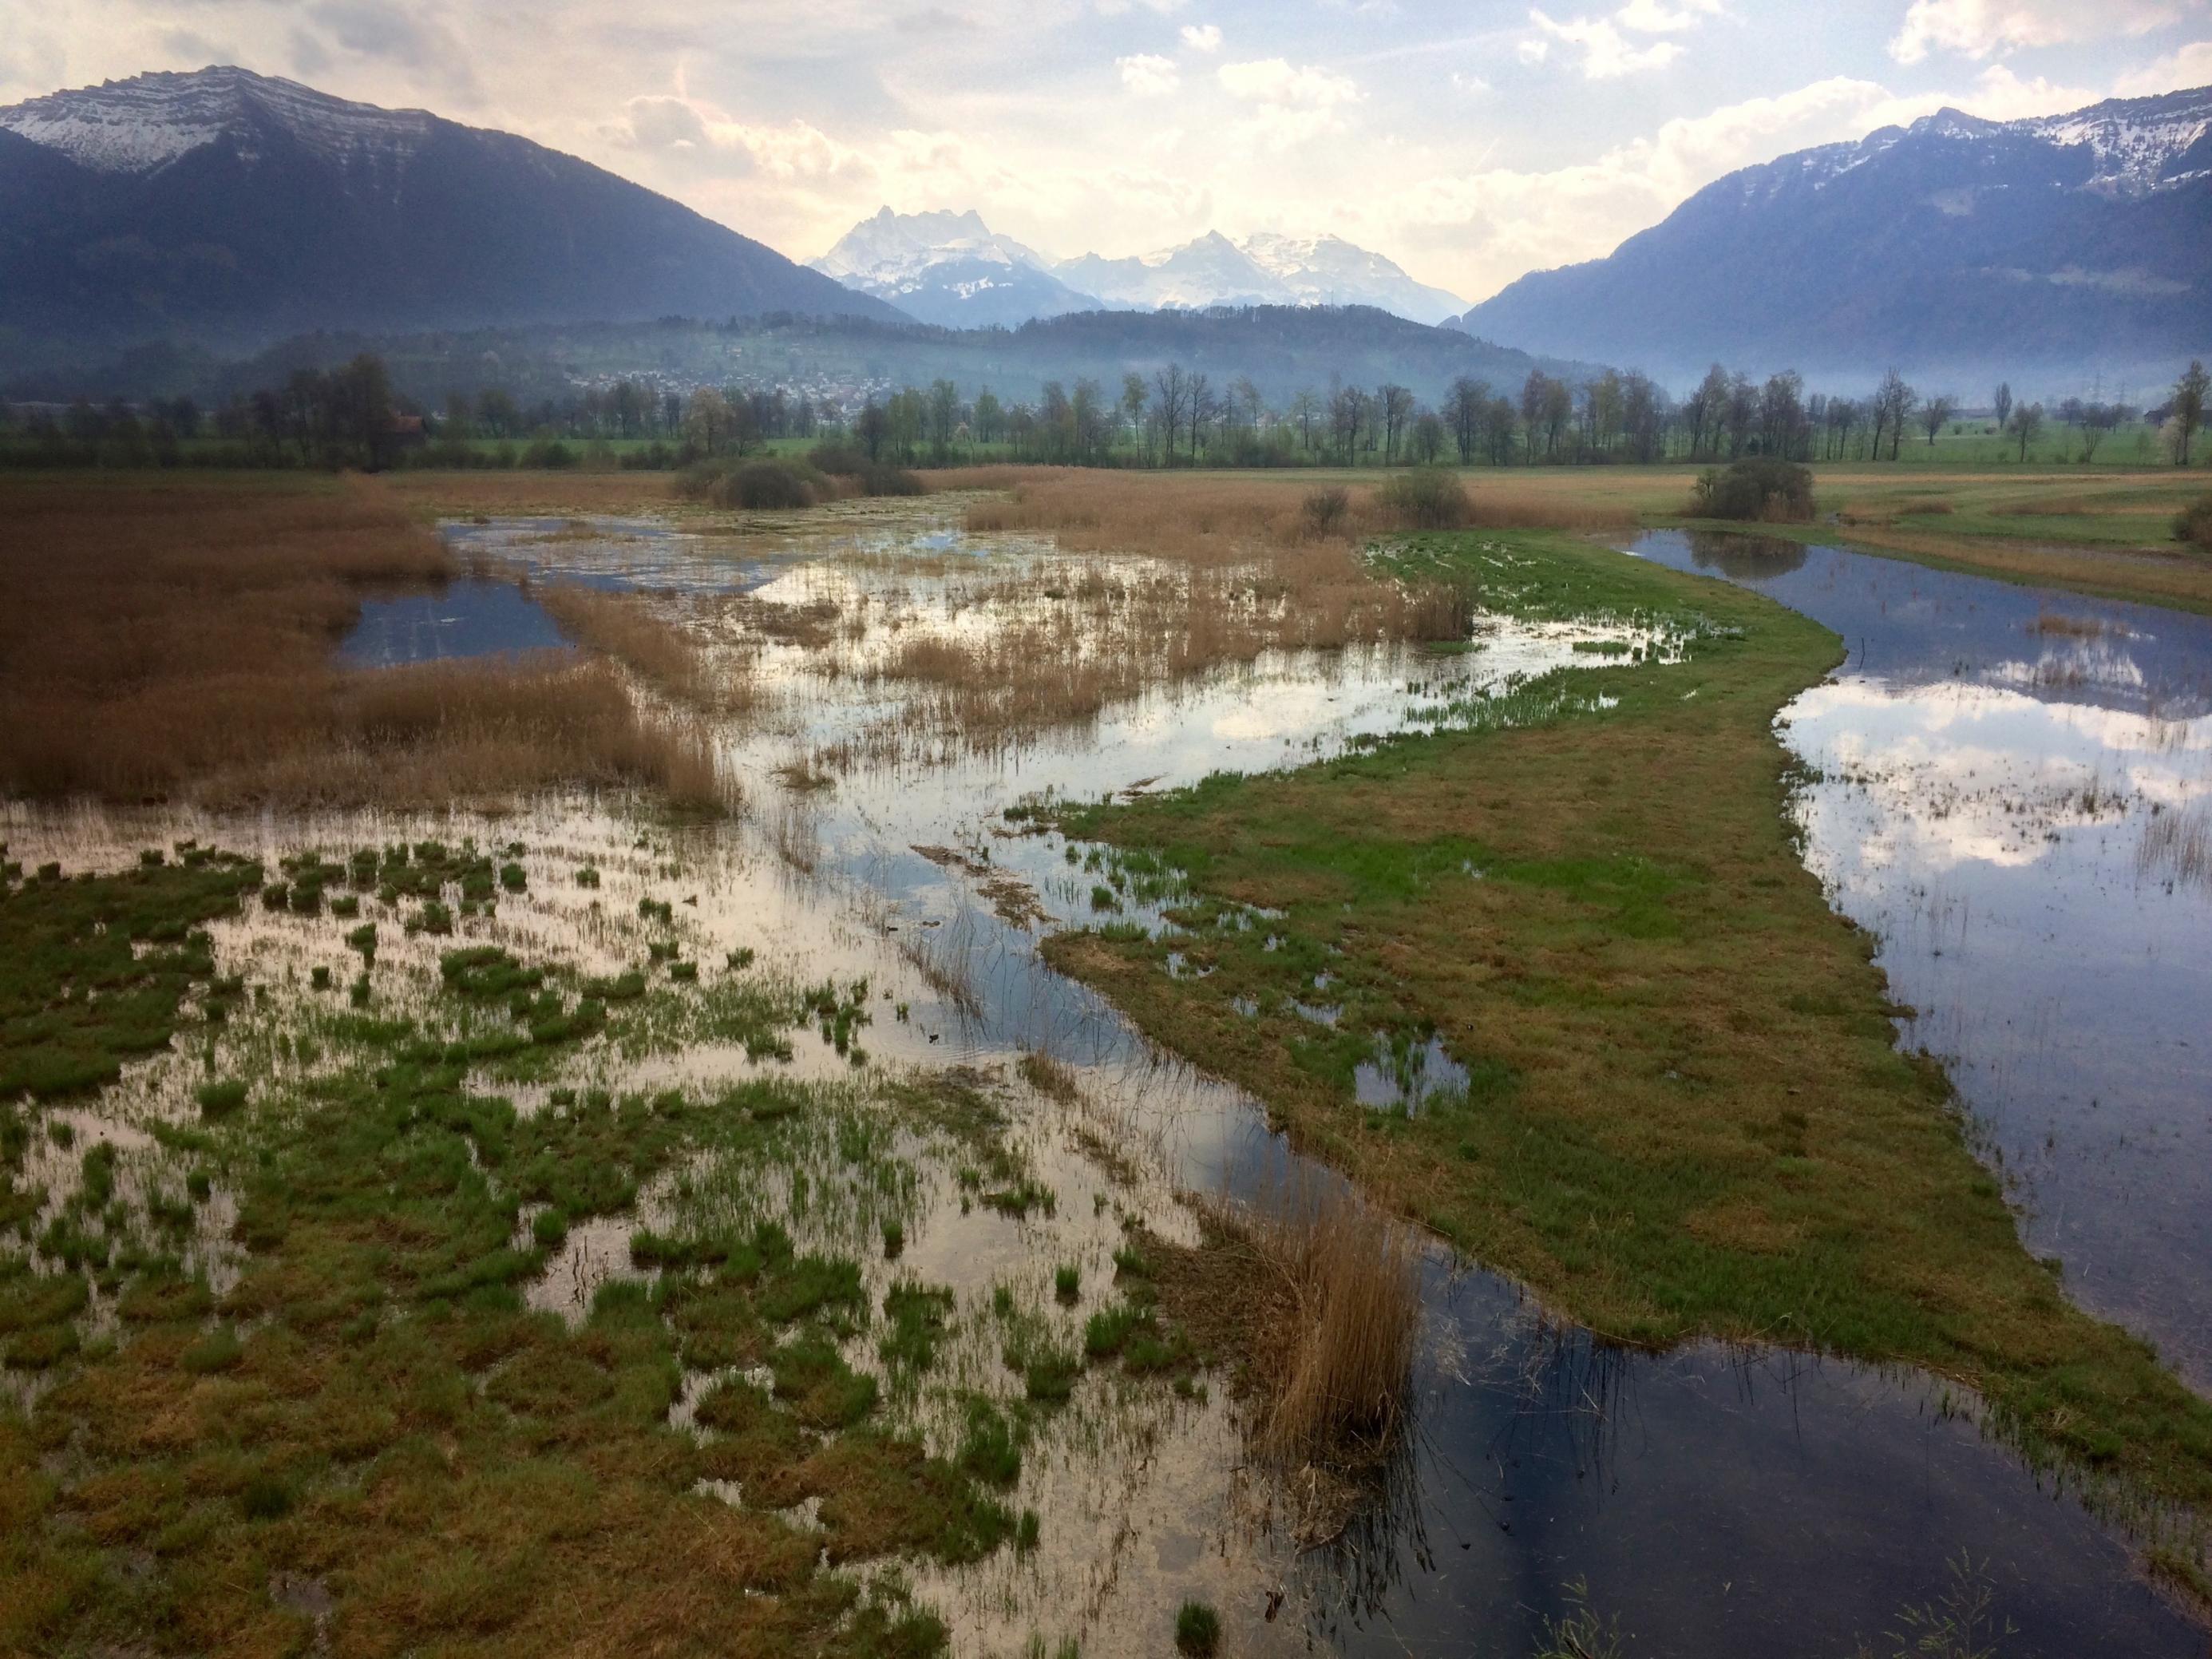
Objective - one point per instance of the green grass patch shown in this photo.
(1685, 1111)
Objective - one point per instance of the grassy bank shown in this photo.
(1685, 1113)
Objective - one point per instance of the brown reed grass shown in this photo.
(176, 640)
(1336, 1371)
(1318, 1294)
(661, 652)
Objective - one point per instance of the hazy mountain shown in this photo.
(949, 269)
(1956, 247)
(952, 269)
(1328, 270)
(234, 208)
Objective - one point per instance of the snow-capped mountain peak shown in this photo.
(891, 245)
(143, 123)
(2136, 141)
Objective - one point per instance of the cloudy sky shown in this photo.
(1471, 139)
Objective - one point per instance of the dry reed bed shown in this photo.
(176, 640)
(661, 652)
(1222, 572)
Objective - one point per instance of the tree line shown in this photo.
(1179, 417)
(1170, 417)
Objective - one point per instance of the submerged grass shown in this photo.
(1684, 1112)
(367, 1443)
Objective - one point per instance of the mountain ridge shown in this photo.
(231, 209)
(951, 269)
(2062, 244)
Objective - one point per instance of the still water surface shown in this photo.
(2000, 770)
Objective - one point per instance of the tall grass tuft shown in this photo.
(1336, 1368)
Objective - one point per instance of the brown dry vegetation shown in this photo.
(624, 626)
(1315, 1293)
(458, 494)
(1232, 570)
(177, 639)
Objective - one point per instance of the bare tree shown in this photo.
(1173, 391)
(1535, 391)
(1464, 409)
(2026, 422)
(1893, 403)
(2188, 410)
(1934, 413)
(1394, 404)
(1134, 396)
(1201, 408)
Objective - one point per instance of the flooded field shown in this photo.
(872, 924)
(2009, 786)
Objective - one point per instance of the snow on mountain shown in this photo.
(2065, 246)
(1328, 270)
(940, 265)
(230, 209)
(895, 245)
(2134, 144)
(1211, 271)
(2136, 141)
(144, 123)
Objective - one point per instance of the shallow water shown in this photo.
(1995, 764)
(471, 618)
(1715, 1501)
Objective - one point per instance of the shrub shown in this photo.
(766, 485)
(1198, 1630)
(838, 460)
(890, 481)
(1426, 498)
(1757, 489)
(2193, 524)
(1325, 508)
(220, 1099)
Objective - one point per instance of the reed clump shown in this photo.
(177, 639)
(1317, 1293)
(1337, 1371)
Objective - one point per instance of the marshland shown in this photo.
(1081, 1057)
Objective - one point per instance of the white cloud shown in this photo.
(1534, 49)
(1202, 37)
(1655, 17)
(1473, 85)
(1289, 104)
(1274, 80)
(1148, 76)
(1607, 54)
(2191, 66)
(1978, 28)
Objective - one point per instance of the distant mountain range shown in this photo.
(952, 269)
(1955, 247)
(232, 209)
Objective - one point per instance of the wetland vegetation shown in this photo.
(480, 1138)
